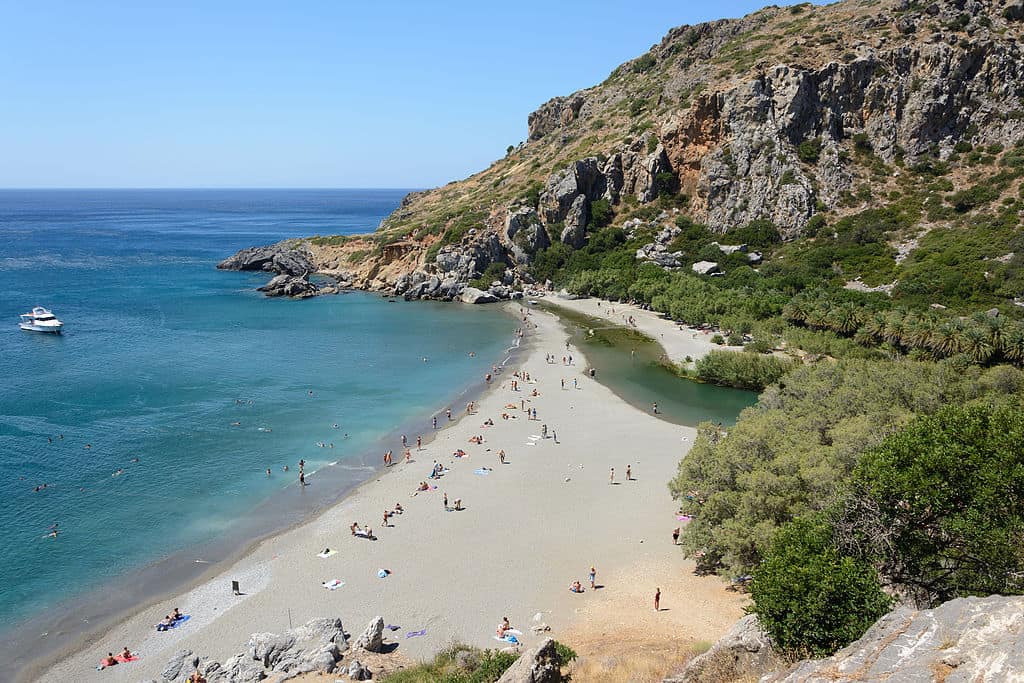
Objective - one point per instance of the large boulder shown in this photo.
(540, 664)
(472, 295)
(967, 639)
(744, 652)
(282, 257)
(295, 286)
(372, 637)
(315, 646)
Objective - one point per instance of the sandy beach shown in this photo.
(529, 528)
(678, 341)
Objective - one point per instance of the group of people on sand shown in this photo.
(362, 532)
(112, 660)
(388, 514)
(577, 587)
(170, 620)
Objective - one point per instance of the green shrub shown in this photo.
(811, 599)
(495, 271)
(742, 370)
(643, 64)
(600, 213)
(947, 495)
(717, 339)
(809, 151)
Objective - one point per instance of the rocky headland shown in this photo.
(792, 115)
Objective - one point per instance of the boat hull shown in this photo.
(47, 329)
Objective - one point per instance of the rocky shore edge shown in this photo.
(292, 263)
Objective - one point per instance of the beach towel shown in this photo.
(327, 554)
(482, 471)
(413, 634)
(334, 584)
(382, 573)
(392, 627)
(119, 659)
(507, 639)
(176, 623)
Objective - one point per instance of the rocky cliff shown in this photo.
(782, 115)
(967, 639)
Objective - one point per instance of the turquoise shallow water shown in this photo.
(162, 354)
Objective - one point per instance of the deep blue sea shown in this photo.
(192, 372)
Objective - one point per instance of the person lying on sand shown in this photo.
(576, 587)
(488, 422)
(165, 624)
(398, 509)
(459, 453)
(109, 660)
(422, 487)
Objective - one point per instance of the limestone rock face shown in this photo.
(745, 651)
(525, 233)
(539, 664)
(574, 233)
(372, 637)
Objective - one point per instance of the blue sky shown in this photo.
(297, 94)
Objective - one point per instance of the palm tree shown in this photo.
(947, 339)
(816, 316)
(844, 319)
(1013, 343)
(977, 344)
(796, 310)
(996, 327)
(874, 325)
(865, 338)
(894, 327)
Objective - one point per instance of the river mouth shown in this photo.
(635, 368)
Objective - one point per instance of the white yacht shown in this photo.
(40, 320)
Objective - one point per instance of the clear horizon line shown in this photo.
(212, 187)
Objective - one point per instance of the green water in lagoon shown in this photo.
(632, 365)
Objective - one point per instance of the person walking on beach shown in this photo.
(629, 473)
(657, 600)
(408, 455)
(611, 476)
(675, 536)
(404, 441)
(593, 578)
(435, 422)
(302, 478)
(501, 456)
(419, 443)
(445, 500)
(448, 412)
(654, 406)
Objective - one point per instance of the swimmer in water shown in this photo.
(268, 471)
(334, 426)
(236, 424)
(310, 392)
(135, 459)
(118, 473)
(88, 445)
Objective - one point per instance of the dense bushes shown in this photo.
(742, 370)
(811, 599)
(789, 455)
(939, 506)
